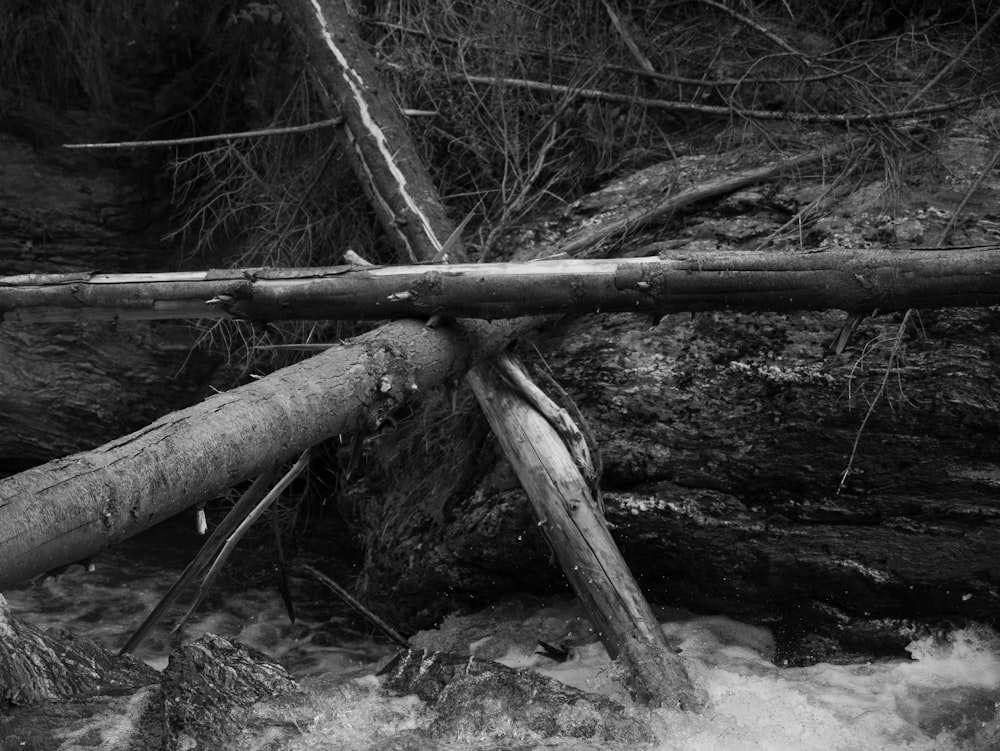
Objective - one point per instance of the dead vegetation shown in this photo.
(521, 108)
(535, 106)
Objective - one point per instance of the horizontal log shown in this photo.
(851, 280)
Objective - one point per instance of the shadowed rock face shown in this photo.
(726, 440)
(68, 387)
(473, 695)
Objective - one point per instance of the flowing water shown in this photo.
(944, 697)
(107, 601)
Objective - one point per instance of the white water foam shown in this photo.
(944, 698)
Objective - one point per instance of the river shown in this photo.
(943, 698)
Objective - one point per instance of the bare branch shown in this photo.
(263, 133)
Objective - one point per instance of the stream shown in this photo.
(945, 697)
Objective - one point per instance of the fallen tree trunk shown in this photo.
(856, 281)
(573, 522)
(396, 177)
(71, 508)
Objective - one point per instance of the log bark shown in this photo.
(71, 508)
(854, 281)
(400, 190)
(573, 523)
(655, 674)
(723, 439)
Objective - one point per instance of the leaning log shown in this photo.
(851, 280)
(573, 523)
(71, 508)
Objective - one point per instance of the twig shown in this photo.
(943, 239)
(762, 30)
(239, 532)
(619, 25)
(204, 557)
(893, 356)
(617, 67)
(208, 139)
(960, 57)
(316, 347)
(801, 214)
(344, 595)
(636, 219)
(713, 109)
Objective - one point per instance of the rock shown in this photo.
(209, 687)
(55, 686)
(37, 666)
(477, 697)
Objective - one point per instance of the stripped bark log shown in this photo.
(410, 213)
(69, 388)
(854, 281)
(346, 68)
(574, 525)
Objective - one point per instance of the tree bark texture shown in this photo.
(571, 520)
(69, 509)
(857, 281)
(64, 388)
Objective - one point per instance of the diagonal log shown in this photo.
(571, 521)
(410, 212)
(850, 280)
(387, 162)
(71, 508)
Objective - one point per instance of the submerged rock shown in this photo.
(62, 692)
(477, 697)
(56, 687)
(210, 686)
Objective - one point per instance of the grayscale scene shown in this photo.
(404, 375)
